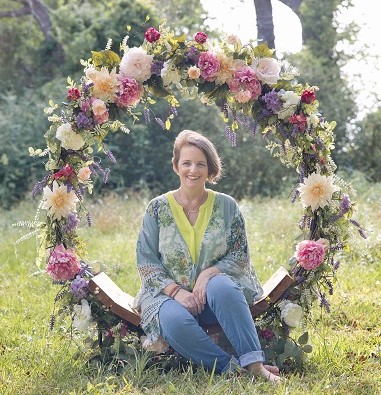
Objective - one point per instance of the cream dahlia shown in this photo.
(106, 84)
(59, 202)
(317, 190)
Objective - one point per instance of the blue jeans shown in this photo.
(225, 305)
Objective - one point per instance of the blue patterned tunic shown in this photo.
(163, 255)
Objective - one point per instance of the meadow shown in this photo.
(346, 357)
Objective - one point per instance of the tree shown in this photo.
(264, 16)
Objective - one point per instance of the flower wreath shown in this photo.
(248, 84)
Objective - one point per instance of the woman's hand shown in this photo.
(199, 289)
(190, 301)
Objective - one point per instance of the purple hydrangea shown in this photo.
(192, 55)
(83, 122)
(273, 101)
(79, 287)
(156, 67)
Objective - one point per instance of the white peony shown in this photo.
(291, 313)
(68, 138)
(59, 202)
(290, 102)
(170, 74)
(317, 190)
(267, 70)
(136, 64)
(82, 318)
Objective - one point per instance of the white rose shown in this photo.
(313, 120)
(291, 314)
(82, 318)
(68, 138)
(136, 64)
(267, 70)
(170, 74)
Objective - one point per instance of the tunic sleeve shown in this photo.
(153, 274)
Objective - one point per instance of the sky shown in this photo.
(238, 17)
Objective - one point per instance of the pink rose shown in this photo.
(73, 94)
(151, 35)
(100, 110)
(310, 253)
(243, 96)
(130, 92)
(84, 174)
(208, 65)
(200, 37)
(194, 72)
(63, 264)
(308, 96)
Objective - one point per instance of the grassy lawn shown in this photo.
(346, 357)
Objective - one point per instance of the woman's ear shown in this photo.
(174, 167)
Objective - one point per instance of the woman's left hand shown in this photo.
(199, 289)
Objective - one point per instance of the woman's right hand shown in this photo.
(189, 301)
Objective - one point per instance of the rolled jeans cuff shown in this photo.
(231, 366)
(251, 357)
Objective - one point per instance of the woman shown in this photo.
(193, 260)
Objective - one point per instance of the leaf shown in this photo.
(307, 348)
(105, 58)
(263, 51)
(303, 339)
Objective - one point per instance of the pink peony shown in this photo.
(310, 253)
(245, 79)
(136, 64)
(151, 35)
(200, 37)
(208, 65)
(130, 92)
(63, 264)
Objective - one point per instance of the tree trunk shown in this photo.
(265, 24)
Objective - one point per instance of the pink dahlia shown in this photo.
(245, 79)
(130, 92)
(310, 253)
(209, 66)
(151, 35)
(63, 264)
(200, 37)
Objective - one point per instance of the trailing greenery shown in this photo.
(346, 343)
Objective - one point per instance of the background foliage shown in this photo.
(34, 68)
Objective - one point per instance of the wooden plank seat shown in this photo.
(120, 303)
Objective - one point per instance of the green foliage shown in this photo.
(346, 343)
(366, 148)
(319, 63)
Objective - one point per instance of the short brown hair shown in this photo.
(190, 137)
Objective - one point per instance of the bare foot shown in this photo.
(272, 369)
(268, 372)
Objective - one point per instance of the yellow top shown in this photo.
(192, 234)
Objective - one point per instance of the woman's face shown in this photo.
(192, 167)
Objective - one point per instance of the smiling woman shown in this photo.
(253, 90)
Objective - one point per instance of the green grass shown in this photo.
(346, 357)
